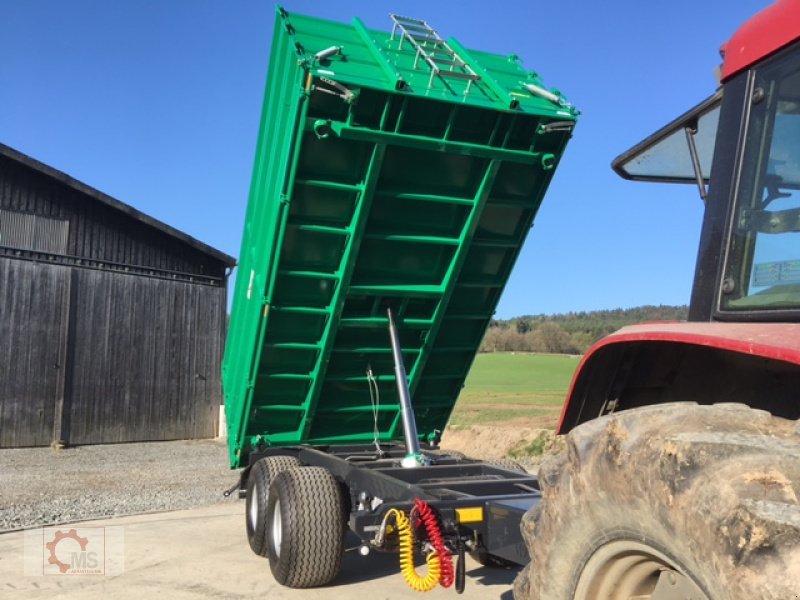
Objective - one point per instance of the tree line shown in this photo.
(569, 333)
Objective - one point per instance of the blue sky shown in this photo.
(157, 103)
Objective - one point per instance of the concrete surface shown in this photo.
(203, 553)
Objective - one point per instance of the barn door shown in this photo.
(34, 300)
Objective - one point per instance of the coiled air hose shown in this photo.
(431, 523)
(406, 538)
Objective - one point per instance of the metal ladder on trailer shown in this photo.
(440, 57)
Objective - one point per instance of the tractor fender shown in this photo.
(757, 364)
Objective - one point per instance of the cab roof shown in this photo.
(767, 32)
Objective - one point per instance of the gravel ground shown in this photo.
(41, 486)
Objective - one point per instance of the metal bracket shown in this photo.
(338, 90)
(609, 406)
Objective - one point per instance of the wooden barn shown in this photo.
(112, 323)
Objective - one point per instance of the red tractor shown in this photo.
(681, 475)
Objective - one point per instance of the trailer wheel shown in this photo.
(306, 519)
(506, 463)
(261, 474)
(669, 502)
(451, 454)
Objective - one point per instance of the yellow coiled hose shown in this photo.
(406, 538)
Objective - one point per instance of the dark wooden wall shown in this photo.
(152, 368)
(90, 357)
(119, 339)
(97, 232)
(32, 320)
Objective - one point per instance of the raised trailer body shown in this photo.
(395, 171)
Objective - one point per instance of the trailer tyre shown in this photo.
(261, 474)
(669, 501)
(306, 518)
(508, 464)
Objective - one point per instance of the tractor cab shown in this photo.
(741, 147)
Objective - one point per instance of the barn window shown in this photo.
(26, 231)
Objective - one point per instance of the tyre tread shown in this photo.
(717, 485)
(314, 529)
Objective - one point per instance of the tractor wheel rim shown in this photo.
(276, 533)
(252, 511)
(627, 570)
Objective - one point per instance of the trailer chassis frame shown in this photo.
(480, 504)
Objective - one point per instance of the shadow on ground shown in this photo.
(357, 568)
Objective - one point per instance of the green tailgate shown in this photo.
(381, 180)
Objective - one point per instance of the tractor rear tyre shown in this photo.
(306, 527)
(668, 502)
(261, 474)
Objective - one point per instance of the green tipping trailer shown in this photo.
(395, 171)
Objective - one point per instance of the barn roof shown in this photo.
(113, 203)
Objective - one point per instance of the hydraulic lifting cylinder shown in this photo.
(413, 456)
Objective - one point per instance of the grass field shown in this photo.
(508, 386)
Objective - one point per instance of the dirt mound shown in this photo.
(511, 439)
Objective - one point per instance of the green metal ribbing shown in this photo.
(393, 75)
(387, 204)
(372, 350)
(412, 291)
(328, 185)
(300, 310)
(503, 95)
(467, 233)
(294, 345)
(245, 319)
(427, 197)
(425, 143)
(360, 409)
(383, 322)
(357, 225)
(301, 109)
(323, 229)
(287, 376)
(307, 274)
(415, 239)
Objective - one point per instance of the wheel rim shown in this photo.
(276, 533)
(626, 570)
(252, 510)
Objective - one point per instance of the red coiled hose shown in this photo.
(431, 523)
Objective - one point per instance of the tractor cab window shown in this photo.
(680, 152)
(763, 264)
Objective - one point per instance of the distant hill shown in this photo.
(569, 333)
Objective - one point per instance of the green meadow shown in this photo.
(502, 386)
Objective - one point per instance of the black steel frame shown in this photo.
(375, 483)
